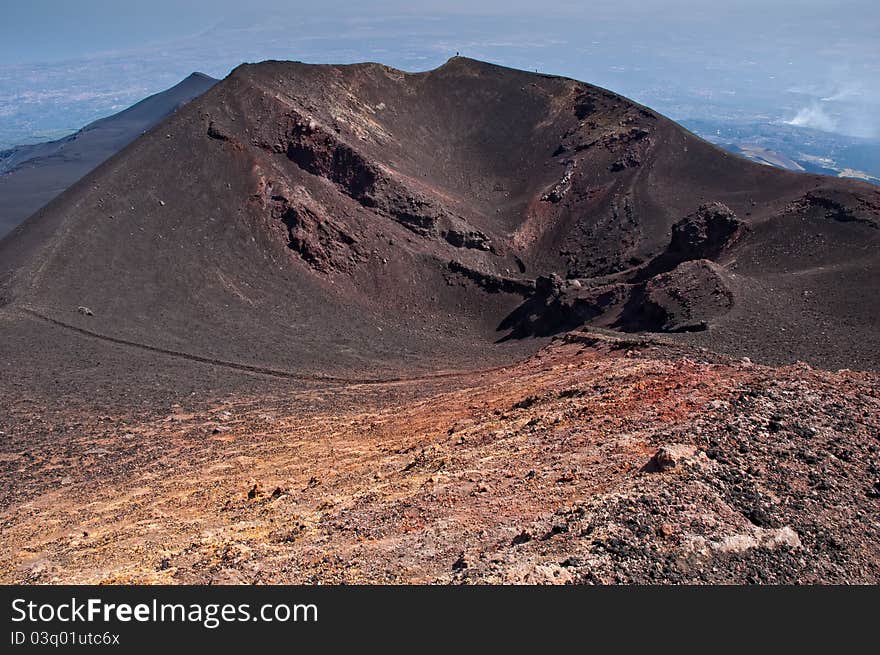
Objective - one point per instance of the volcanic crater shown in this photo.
(319, 243)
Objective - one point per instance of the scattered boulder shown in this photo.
(671, 456)
(770, 539)
(216, 132)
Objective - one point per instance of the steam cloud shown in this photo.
(852, 108)
(816, 117)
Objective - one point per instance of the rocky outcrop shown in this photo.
(705, 234)
(559, 189)
(685, 299)
(464, 238)
(558, 305)
(491, 282)
(318, 152)
(322, 242)
(628, 160)
(836, 205)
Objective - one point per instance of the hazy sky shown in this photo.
(816, 62)
(42, 30)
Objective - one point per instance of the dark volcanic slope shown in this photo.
(363, 222)
(30, 176)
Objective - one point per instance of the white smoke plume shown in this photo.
(816, 117)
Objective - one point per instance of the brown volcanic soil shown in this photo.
(546, 472)
(353, 274)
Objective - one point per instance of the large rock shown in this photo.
(685, 299)
(674, 455)
(705, 234)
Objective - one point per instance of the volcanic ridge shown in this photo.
(31, 175)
